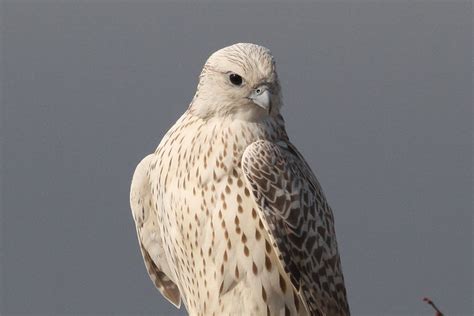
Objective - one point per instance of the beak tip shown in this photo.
(261, 97)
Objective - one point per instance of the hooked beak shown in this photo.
(261, 97)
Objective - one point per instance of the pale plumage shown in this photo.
(230, 218)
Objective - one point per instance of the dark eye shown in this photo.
(235, 79)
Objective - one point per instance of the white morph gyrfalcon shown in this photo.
(230, 218)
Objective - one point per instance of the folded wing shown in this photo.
(149, 234)
(299, 220)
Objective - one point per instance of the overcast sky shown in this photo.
(377, 97)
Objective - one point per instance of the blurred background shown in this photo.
(377, 98)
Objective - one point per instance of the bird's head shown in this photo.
(240, 81)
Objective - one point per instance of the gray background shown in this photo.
(378, 99)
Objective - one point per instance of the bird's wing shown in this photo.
(149, 234)
(300, 223)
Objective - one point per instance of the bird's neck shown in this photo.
(241, 132)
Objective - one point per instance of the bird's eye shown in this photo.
(235, 79)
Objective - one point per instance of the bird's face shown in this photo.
(240, 81)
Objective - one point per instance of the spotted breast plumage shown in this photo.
(230, 218)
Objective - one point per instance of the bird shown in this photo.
(230, 218)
